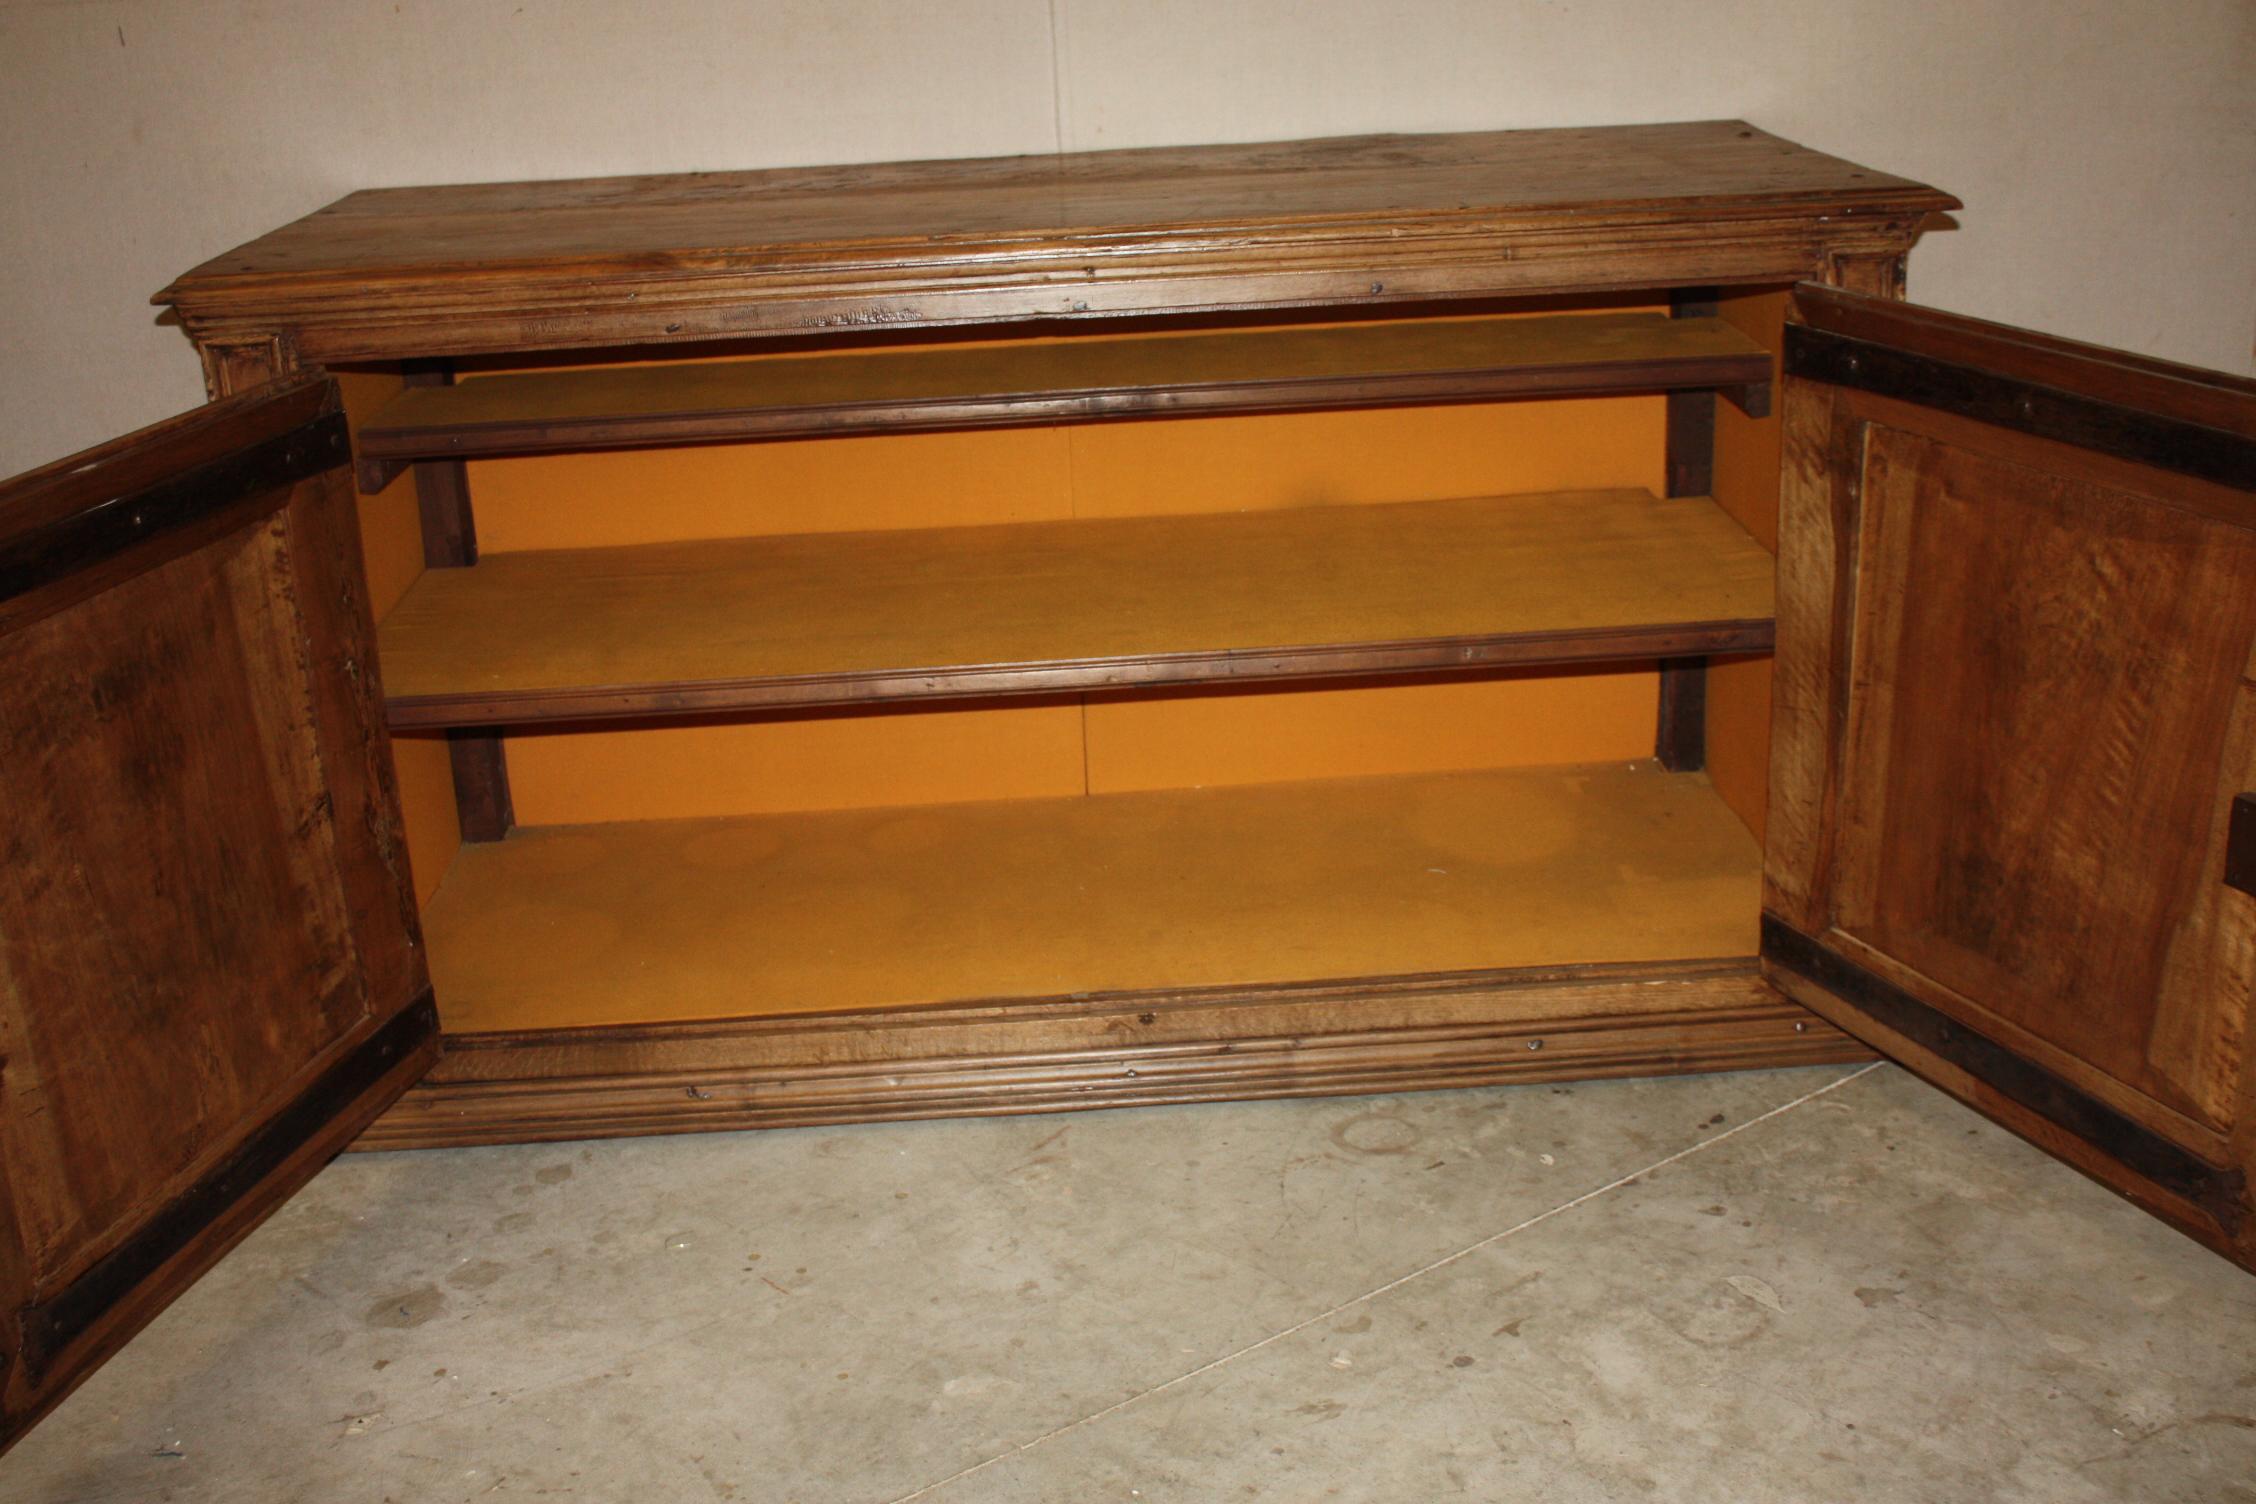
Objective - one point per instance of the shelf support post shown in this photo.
(450, 541)
(1680, 738)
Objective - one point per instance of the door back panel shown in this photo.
(2016, 702)
(210, 976)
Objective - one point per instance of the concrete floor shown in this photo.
(1806, 1285)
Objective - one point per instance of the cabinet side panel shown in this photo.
(391, 531)
(1746, 486)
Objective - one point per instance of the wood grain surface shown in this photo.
(404, 272)
(813, 619)
(2016, 702)
(204, 907)
(1064, 1054)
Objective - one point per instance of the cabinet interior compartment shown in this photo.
(1306, 742)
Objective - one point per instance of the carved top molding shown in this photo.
(488, 268)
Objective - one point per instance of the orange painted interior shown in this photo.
(1027, 749)
(1216, 737)
(391, 545)
(1746, 486)
(1007, 750)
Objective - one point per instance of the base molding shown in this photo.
(1065, 1054)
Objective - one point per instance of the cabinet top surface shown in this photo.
(1100, 217)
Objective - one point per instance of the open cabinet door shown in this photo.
(2009, 841)
(210, 973)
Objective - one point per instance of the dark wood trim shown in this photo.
(1680, 736)
(2240, 845)
(51, 1325)
(1752, 400)
(1680, 739)
(1173, 400)
(2219, 1192)
(442, 487)
(1691, 414)
(2101, 426)
(108, 525)
(1125, 391)
(982, 681)
(1870, 308)
(483, 808)
(1110, 1050)
(481, 785)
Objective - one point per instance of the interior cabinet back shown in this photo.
(1045, 749)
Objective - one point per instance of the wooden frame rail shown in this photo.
(1079, 379)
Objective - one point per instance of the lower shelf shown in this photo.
(1358, 935)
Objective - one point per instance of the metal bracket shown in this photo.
(2240, 845)
(2220, 1191)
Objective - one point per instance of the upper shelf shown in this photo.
(1168, 374)
(1092, 603)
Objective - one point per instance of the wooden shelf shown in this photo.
(837, 618)
(1089, 377)
(664, 922)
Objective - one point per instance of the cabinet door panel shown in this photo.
(2016, 703)
(209, 971)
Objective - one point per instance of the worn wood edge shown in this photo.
(150, 455)
(1059, 1055)
(499, 310)
(1154, 671)
(583, 1118)
(1252, 237)
(148, 1296)
(1255, 240)
(1175, 1008)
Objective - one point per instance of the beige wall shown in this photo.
(2106, 150)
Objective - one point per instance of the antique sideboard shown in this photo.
(750, 649)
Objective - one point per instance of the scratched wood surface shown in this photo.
(204, 910)
(387, 273)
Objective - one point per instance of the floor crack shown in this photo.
(1378, 1290)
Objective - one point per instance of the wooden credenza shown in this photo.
(965, 637)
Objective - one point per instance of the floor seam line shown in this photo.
(1390, 1286)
